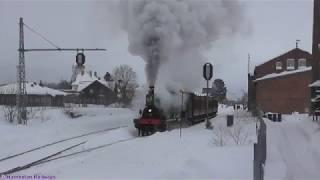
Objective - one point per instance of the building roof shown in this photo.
(201, 94)
(292, 51)
(84, 80)
(284, 73)
(32, 88)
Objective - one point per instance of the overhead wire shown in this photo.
(42, 36)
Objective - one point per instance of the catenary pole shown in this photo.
(21, 93)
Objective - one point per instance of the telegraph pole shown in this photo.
(249, 58)
(21, 77)
(21, 93)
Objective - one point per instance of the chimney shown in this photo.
(150, 97)
(316, 41)
(151, 90)
(95, 74)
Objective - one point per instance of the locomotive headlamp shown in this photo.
(150, 110)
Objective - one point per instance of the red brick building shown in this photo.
(288, 83)
(281, 84)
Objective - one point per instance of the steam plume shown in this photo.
(160, 29)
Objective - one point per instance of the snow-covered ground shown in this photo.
(196, 155)
(293, 148)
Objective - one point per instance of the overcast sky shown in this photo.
(275, 26)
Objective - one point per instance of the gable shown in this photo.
(269, 67)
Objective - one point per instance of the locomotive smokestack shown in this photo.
(150, 97)
(151, 89)
(152, 46)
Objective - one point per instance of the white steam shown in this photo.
(184, 28)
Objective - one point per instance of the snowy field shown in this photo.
(293, 148)
(221, 153)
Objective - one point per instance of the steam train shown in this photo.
(152, 118)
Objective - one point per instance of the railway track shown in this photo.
(59, 141)
(52, 157)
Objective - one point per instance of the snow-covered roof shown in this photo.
(84, 79)
(31, 88)
(315, 84)
(284, 73)
(201, 94)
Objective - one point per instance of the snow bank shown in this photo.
(293, 148)
(160, 156)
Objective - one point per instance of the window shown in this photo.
(290, 64)
(302, 63)
(279, 65)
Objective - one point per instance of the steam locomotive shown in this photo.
(152, 118)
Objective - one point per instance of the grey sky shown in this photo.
(275, 27)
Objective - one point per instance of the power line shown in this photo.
(21, 94)
(66, 49)
(42, 36)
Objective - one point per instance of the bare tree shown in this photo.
(219, 136)
(238, 133)
(126, 82)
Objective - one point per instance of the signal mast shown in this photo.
(21, 93)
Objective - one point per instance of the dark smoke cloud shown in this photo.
(180, 26)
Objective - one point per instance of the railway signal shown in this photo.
(207, 75)
(207, 71)
(21, 94)
(80, 59)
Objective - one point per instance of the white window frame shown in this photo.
(300, 64)
(278, 65)
(290, 64)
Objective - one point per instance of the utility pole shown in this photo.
(249, 63)
(21, 76)
(21, 93)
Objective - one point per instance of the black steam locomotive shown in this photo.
(153, 118)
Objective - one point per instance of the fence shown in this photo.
(260, 150)
(32, 100)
